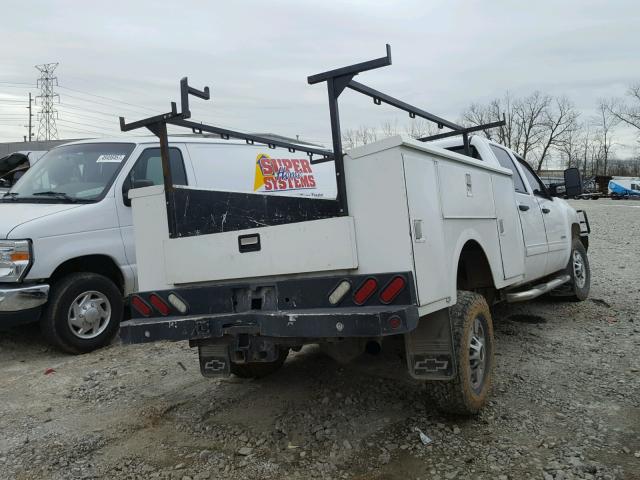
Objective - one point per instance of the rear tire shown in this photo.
(83, 313)
(580, 271)
(259, 369)
(473, 342)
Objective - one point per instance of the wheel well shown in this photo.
(575, 233)
(474, 272)
(100, 264)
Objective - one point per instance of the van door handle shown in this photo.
(545, 210)
(524, 208)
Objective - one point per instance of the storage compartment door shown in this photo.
(509, 230)
(302, 247)
(427, 236)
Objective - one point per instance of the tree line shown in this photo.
(540, 127)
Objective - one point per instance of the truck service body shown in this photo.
(421, 236)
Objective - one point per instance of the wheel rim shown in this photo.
(477, 355)
(89, 315)
(579, 271)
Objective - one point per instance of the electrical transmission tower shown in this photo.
(47, 129)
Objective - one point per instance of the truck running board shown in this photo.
(537, 290)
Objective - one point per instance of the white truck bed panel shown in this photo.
(319, 245)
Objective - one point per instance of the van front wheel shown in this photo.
(84, 312)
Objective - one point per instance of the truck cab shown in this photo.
(548, 222)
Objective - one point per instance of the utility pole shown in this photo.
(47, 129)
(29, 126)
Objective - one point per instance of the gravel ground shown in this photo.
(565, 403)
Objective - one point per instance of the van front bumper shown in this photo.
(24, 297)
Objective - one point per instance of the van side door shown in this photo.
(147, 169)
(533, 231)
(555, 223)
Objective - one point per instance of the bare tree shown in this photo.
(559, 121)
(365, 134)
(605, 121)
(349, 139)
(571, 148)
(629, 114)
(508, 134)
(531, 116)
(420, 127)
(389, 129)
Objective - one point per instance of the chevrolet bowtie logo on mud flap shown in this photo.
(215, 365)
(214, 360)
(430, 365)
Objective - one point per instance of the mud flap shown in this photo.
(214, 360)
(430, 353)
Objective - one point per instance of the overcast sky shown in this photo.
(256, 56)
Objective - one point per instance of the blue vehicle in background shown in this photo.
(624, 187)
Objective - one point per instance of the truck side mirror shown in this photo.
(572, 182)
(136, 184)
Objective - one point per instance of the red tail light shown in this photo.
(392, 289)
(368, 288)
(395, 323)
(159, 304)
(141, 306)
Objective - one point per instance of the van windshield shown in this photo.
(72, 173)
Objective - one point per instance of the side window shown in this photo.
(149, 167)
(505, 161)
(532, 178)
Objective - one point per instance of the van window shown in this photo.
(149, 167)
(505, 161)
(80, 172)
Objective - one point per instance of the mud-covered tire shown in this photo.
(580, 272)
(55, 322)
(259, 369)
(465, 395)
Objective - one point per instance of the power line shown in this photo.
(87, 125)
(17, 83)
(110, 106)
(108, 98)
(47, 129)
(76, 129)
(83, 115)
(75, 107)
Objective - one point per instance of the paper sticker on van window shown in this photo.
(281, 174)
(110, 158)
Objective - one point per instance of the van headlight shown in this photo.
(15, 259)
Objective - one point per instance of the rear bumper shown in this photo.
(375, 321)
(18, 298)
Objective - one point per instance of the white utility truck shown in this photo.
(422, 236)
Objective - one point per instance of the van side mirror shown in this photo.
(572, 182)
(136, 184)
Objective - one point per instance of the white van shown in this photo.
(67, 255)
